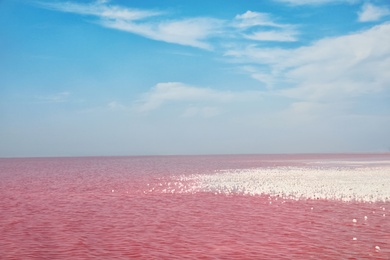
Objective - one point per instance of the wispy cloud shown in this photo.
(333, 68)
(263, 27)
(251, 19)
(192, 31)
(178, 92)
(101, 10)
(277, 36)
(370, 12)
(188, 31)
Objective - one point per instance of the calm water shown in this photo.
(126, 208)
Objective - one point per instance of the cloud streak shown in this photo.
(190, 31)
(100, 10)
(277, 36)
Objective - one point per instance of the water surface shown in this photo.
(183, 208)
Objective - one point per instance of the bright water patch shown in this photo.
(369, 184)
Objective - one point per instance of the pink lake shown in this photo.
(148, 208)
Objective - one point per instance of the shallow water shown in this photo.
(145, 208)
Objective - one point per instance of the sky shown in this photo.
(182, 77)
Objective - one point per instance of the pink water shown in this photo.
(98, 208)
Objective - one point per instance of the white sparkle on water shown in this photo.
(362, 183)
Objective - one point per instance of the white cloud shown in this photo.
(340, 67)
(100, 10)
(178, 92)
(250, 19)
(371, 13)
(346, 66)
(256, 26)
(191, 32)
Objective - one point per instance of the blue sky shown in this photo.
(80, 78)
